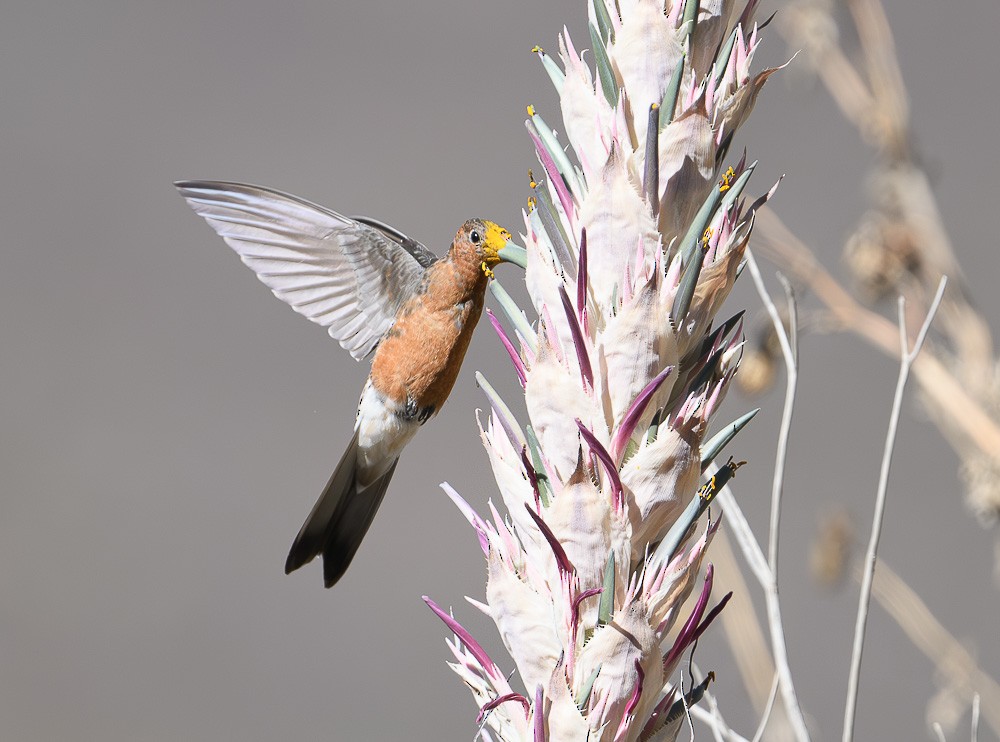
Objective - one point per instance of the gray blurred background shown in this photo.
(167, 424)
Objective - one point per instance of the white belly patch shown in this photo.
(382, 434)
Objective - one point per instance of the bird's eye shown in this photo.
(474, 236)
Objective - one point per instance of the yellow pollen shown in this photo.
(531, 110)
(531, 204)
(486, 270)
(710, 489)
(536, 49)
(727, 180)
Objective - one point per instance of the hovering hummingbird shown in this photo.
(374, 289)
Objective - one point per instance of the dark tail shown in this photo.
(339, 520)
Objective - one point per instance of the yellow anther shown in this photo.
(531, 110)
(536, 49)
(727, 180)
(710, 489)
(531, 180)
(531, 204)
(486, 270)
(706, 237)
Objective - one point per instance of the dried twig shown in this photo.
(908, 356)
(766, 716)
(769, 573)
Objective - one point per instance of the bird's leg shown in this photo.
(411, 411)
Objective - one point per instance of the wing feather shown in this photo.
(346, 275)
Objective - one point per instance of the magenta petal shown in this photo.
(555, 178)
(658, 711)
(582, 597)
(686, 634)
(466, 638)
(581, 277)
(633, 701)
(578, 341)
(539, 725)
(634, 412)
(565, 565)
(605, 458)
(515, 357)
(637, 693)
(747, 13)
(501, 700)
(712, 615)
(470, 515)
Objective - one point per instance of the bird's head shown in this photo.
(486, 244)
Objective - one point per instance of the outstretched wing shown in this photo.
(348, 276)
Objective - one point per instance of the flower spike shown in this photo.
(635, 235)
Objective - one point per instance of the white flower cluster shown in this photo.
(632, 250)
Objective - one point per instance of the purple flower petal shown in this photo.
(539, 725)
(637, 693)
(466, 638)
(657, 713)
(470, 515)
(712, 615)
(605, 458)
(578, 341)
(634, 412)
(501, 700)
(686, 634)
(582, 597)
(515, 357)
(748, 12)
(565, 565)
(633, 701)
(555, 179)
(581, 278)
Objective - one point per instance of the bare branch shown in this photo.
(706, 717)
(908, 356)
(766, 717)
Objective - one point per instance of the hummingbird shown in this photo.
(380, 293)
